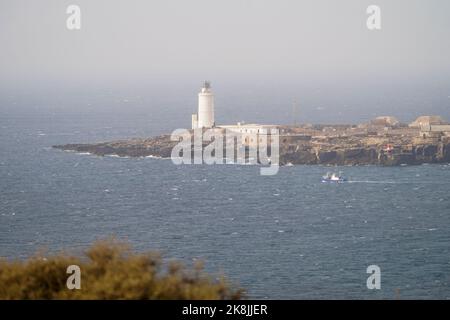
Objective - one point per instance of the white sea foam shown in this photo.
(117, 156)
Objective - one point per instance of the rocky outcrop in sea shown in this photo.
(387, 150)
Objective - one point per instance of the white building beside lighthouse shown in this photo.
(204, 118)
(205, 115)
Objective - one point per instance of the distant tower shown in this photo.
(294, 113)
(205, 113)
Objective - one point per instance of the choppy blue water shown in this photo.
(284, 236)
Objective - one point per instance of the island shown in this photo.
(382, 141)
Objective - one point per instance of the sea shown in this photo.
(287, 236)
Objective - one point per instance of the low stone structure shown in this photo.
(427, 121)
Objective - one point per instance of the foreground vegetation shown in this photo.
(110, 270)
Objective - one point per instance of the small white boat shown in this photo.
(333, 177)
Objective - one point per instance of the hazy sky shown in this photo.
(149, 39)
(273, 43)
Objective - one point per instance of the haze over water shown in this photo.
(260, 55)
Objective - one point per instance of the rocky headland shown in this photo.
(312, 144)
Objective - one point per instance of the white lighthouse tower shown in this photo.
(205, 115)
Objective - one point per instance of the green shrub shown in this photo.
(110, 270)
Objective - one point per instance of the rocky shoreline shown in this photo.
(160, 147)
(344, 146)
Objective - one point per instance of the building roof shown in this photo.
(428, 120)
(248, 125)
(387, 121)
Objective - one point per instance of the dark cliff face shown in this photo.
(304, 156)
(433, 153)
(159, 147)
(296, 154)
(351, 156)
(446, 153)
